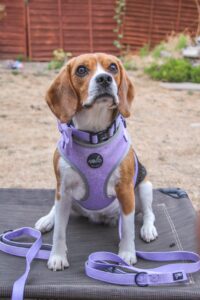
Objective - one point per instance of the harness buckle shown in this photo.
(138, 283)
(103, 136)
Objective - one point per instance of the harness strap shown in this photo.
(104, 266)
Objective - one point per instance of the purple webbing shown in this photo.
(29, 253)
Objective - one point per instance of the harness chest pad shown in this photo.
(95, 163)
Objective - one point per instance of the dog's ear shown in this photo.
(61, 96)
(125, 93)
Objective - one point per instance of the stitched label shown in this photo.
(177, 276)
(95, 160)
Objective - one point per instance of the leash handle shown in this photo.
(20, 249)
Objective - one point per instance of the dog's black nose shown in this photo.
(104, 79)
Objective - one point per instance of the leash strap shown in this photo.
(103, 266)
(109, 267)
(27, 250)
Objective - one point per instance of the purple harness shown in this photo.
(95, 156)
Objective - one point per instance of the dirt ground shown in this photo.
(164, 126)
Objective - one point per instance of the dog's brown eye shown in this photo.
(113, 68)
(81, 71)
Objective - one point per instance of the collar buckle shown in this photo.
(104, 135)
(99, 137)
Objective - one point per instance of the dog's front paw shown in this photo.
(128, 257)
(57, 262)
(148, 233)
(45, 223)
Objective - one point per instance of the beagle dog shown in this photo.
(95, 165)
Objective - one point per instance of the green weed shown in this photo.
(130, 65)
(173, 70)
(144, 51)
(182, 42)
(59, 58)
(195, 74)
(156, 52)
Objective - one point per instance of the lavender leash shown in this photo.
(103, 266)
(114, 272)
(27, 250)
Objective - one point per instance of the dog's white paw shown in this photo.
(148, 233)
(57, 262)
(45, 223)
(128, 257)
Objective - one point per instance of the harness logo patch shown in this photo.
(95, 160)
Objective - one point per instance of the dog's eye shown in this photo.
(81, 71)
(113, 68)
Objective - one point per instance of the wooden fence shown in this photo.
(34, 28)
(150, 21)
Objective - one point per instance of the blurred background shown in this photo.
(33, 29)
(159, 45)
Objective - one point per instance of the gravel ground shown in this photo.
(164, 126)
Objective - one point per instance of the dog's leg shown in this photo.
(46, 223)
(125, 194)
(58, 257)
(148, 231)
(127, 243)
(126, 198)
(71, 186)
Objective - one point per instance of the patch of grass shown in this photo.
(59, 58)
(55, 64)
(130, 65)
(182, 42)
(144, 51)
(20, 57)
(15, 72)
(195, 74)
(156, 52)
(173, 70)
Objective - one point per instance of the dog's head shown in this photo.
(87, 79)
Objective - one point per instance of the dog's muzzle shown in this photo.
(103, 97)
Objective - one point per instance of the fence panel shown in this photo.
(76, 26)
(103, 24)
(13, 30)
(43, 22)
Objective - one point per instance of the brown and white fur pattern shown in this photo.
(76, 94)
